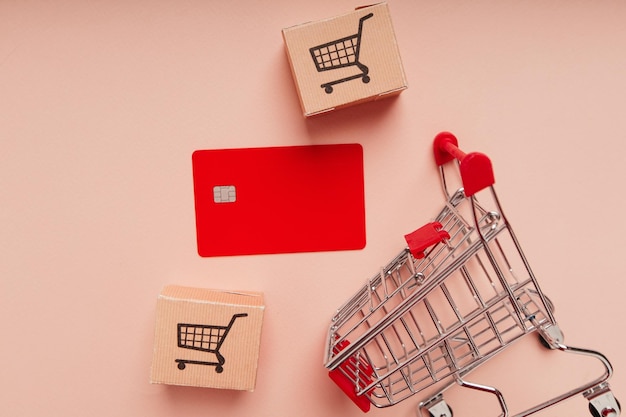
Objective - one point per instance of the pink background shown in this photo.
(103, 102)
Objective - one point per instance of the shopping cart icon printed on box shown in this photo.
(341, 53)
(205, 338)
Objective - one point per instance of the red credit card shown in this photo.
(279, 199)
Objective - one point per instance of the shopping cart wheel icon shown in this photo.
(182, 364)
(205, 338)
(341, 53)
(328, 87)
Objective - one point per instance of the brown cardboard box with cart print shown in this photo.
(207, 338)
(345, 60)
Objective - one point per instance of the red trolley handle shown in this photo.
(475, 167)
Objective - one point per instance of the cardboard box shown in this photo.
(207, 338)
(345, 60)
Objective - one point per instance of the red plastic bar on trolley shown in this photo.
(425, 237)
(475, 167)
(360, 370)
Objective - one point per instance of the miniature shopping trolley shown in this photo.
(458, 294)
(206, 338)
(341, 53)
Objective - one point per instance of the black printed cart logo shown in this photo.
(206, 338)
(341, 53)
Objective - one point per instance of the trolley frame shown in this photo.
(458, 294)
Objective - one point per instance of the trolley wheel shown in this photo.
(554, 332)
(328, 89)
(544, 342)
(366, 79)
(181, 365)
(449, 409)
(605, 413)
(219, 369)
(438, 407)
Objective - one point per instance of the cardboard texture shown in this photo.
(279, 199)
(207, 338)
(345, 60)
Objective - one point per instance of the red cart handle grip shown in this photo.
(475, 167)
